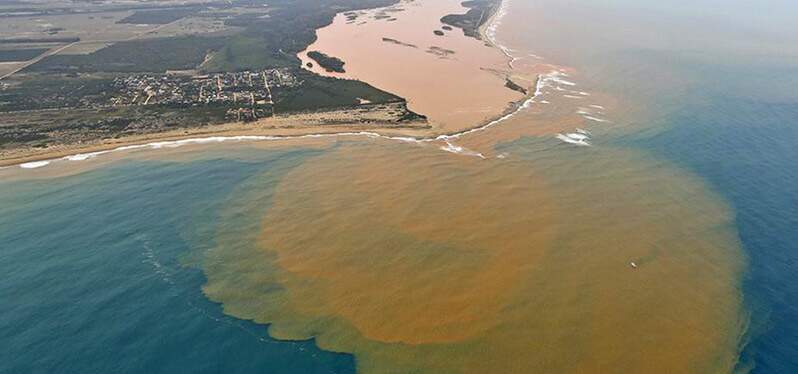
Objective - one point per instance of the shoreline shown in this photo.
(292, 129)
(490, 23)
(229, 131)
(487, 32)
(236, 132)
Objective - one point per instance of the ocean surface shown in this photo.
(710, 86)
(98, 276)
(667, 245)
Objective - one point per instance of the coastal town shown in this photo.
(248, 94)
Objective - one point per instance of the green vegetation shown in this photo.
(158, 17)
(243, 52)
(289, 28)
(42, 129)
(478, 13)
(54, 91)
(151, 55)
(270, 41)
(20, 54)
(328, 63)
(38, 40)
(323, 92)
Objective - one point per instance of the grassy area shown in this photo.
(38, 40)
(54, 91)
(323, 92)
(243, 52)
(153, 55)
(20, 54)
(158, 17)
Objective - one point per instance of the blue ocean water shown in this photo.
(98, 276)
(739, 134)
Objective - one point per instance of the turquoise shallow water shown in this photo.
(97, 274)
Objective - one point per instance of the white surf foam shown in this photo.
(34, 164)
(574, 138)
(592, 118)
(557, 79)
(449, 147)
(578, 136)
(84, 156)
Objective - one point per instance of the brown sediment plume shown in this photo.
(416, 260)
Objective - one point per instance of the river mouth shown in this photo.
(457, 81)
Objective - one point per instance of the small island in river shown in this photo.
(328, 63)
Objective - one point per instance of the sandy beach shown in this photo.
(324, 122)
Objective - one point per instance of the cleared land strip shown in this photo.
(37, 59)
(58, 50)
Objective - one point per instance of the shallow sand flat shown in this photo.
(456, 92)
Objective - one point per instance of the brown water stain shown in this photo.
(422, 261)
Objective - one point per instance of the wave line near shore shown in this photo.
(542, 81)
